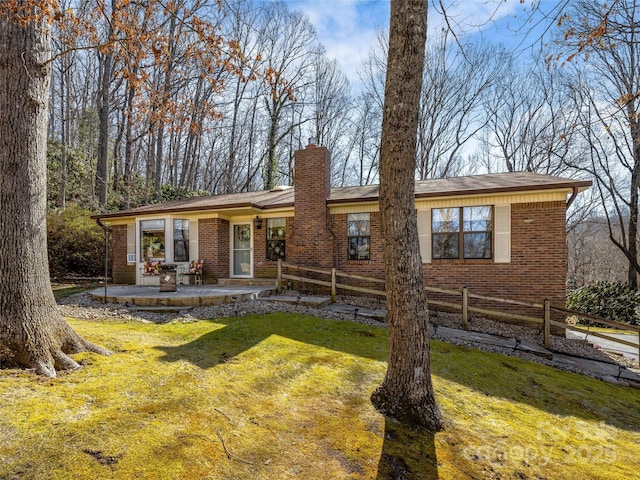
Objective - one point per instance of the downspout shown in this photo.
(572, 197)
(107, 230)
(335, 238)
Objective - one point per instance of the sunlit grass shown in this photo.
(287, 396)
(607, 330)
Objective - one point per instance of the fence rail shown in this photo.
(593, 318)
(463, 295)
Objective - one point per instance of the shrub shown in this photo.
(75, 243)
(79, 176)
(611, 300)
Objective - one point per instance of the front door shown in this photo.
(241, 250)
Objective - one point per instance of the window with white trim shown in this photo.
(358, 236)
(180, 240)
(276, 243)
(462, 232)
(152, 240)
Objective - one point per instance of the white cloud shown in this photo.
(347, 28)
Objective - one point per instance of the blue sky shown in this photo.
(347, 28)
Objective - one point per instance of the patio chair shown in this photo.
(195, 271)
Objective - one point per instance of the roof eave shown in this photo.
(369, 198)
(200, 208)
(581, 185)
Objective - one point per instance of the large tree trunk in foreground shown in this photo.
(33, 334)
(406, 392)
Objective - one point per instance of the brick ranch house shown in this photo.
(499, 234)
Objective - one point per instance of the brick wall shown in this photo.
(263, 268)
(213, 246)
(122, 272)
(538, 258)
(538, 263)
(312, 242)
(374, 267)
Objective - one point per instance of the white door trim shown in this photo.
(232, 249)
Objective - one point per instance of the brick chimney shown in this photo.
(312, 240)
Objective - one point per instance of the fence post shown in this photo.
(333, 285)
(279, 281)
(465, 307)
(547, 323)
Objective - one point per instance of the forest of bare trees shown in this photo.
(126, 132)
(128, 128)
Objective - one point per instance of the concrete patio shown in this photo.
(184, 296)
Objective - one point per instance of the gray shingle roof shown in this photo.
(475, 184)
(444, 187)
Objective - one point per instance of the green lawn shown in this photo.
(287, 396)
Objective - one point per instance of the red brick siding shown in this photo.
(213, 246)
(373, 267)
(122, 272)
(263, 268)
(538, 258)
(312, 241)
(538, 263)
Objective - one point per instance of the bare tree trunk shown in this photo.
(607, 92)
(64, 70)
(406, 392)
(166, 92)
(230, 168)
(251, 171)
(159, 162)
(270, 175)
(33, 334)
(151, 155)
(63, 132)
(104, 105)
(128, 151)
(633, 206)
(103, 141)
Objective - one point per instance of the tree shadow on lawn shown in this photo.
(240, 334)
(407, 453)
(494, 375)
(557, 392)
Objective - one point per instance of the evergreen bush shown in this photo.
(75, 243)
(611, 300)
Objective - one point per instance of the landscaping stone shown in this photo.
(307, 301)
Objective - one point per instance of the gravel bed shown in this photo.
(83, 306)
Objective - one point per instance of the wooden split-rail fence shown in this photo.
(545, 322)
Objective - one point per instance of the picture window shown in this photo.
(464, 232)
